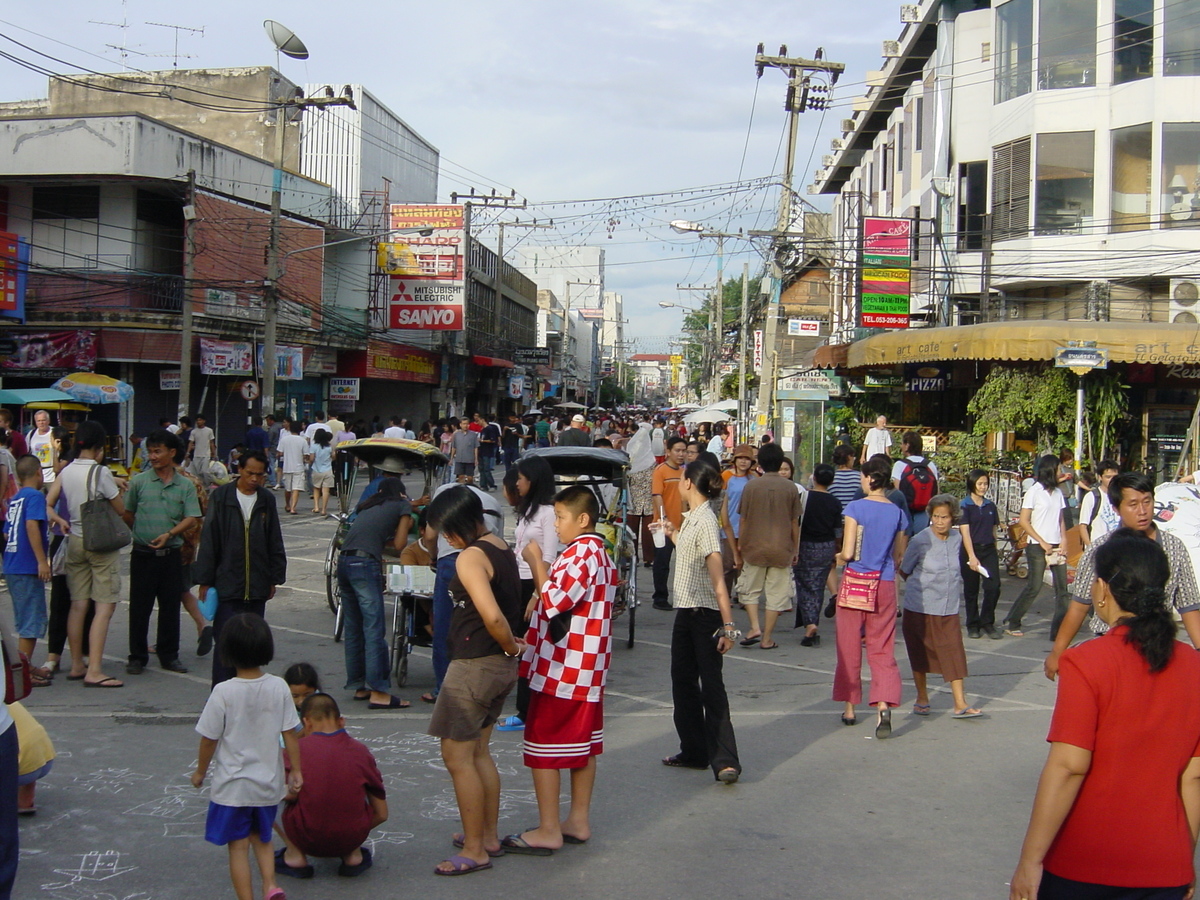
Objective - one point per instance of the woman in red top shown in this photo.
(1118, 804)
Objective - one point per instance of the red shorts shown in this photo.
(562, 734)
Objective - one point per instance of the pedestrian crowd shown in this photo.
(724, 527)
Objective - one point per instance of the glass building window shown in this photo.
(1179, 204)
(1181, 37)
(1131, 178)
(1066, 44)
(1133, 40)
(1014, 49)
(1066, 173)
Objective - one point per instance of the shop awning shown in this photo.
(1141, 342)
(492, 362)
(827, 356)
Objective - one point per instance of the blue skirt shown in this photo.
(226, 824)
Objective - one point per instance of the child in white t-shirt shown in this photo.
(239, 733)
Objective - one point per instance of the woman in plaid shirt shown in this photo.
(703, 632)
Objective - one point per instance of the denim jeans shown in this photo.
(364, 632)
(487, 464)
(443, 607)
(1033, 586)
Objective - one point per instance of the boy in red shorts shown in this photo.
(567, 663)
(342, 800)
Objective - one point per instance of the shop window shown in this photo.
(1014, 49)
(1131, 178)
(1065, 180)
(972, 204)
(1180, 203)
(1181, 37)
(1066, 44)
(1133, 40)
(1010, 190)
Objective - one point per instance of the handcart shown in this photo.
(606, 472)
(419, 463)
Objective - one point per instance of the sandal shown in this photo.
(968, 713)
(884, 729)
(678, 762)
(921, 709)
(460, 865)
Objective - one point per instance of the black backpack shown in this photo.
(918, 484)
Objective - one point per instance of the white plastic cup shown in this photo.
(660, 536)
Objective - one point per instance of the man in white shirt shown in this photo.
(878, 440)
(1097, 517)
(395, 431)
(40, 445)
(658, 436)
(201, 448)
(292, 449)
(317, 425)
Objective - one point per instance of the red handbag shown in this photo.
(18, 676)
(858, 590)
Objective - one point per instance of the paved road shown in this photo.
(822, 810)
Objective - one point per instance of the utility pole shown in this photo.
(299, 103)
(742, 366)
(496, 317)
(189, 270)
(797, 100)
(717, 323)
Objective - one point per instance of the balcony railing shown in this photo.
(89, 290)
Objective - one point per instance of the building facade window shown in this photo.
(1133, 40)
(1179, 204)
(899, 146)
(1066, 44)
(1010, 190)
(1131, 173)
(1065, 179)
(1014, 49)
(1181, 37)
(919, 124)
(972, 204)
(66, 226)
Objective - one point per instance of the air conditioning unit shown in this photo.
(910, 12)
(1184, 306)
(891, 49)
(837, 144)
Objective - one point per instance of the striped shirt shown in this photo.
(699, 538)
(582, 582)
(847, 486)
(159, 507)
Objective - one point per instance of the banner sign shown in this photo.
(886, 272)
(226, 357)
(170, 380)
(426, 271)
(343, 388)
(516, 387)
(320, 361)
(758, 351)
(804, 327)
(289, 362)
(924, 379)
(52, 354)
(14, 271)
(394, 362)
(811, 380)
(532, 356)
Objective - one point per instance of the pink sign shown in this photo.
(892, 236)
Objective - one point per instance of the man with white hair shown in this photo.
(878, 440)
(40, 444)
(577, 435)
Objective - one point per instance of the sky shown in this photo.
(571, 105)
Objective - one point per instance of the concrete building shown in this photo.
(575, 275)
(1044, 153)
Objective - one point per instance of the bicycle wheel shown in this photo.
(333, 593)
(400, 642)
(339, 622)
(629, 563)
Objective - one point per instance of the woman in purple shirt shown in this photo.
(873, 542)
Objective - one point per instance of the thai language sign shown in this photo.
(52, 354)
(226, 357)
(426, 269)
(14, 269)
(886, 272)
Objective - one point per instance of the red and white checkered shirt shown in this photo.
(582, 581)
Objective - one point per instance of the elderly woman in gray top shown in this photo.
(933, 594)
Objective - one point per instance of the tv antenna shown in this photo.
(177, 29)
(122, 48)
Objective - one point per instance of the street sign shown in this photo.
(170, 380)
(532, 356)
(250, 390)
(1081, 358)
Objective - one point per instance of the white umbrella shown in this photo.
(570, 405)
(688, 406)
(724, 405)
(712, 416)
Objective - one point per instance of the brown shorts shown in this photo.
(472, 696)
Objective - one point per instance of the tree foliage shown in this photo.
(1037, 401)
(1106, 411)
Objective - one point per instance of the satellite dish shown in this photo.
(285, 40)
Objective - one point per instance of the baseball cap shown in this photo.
(577, 418)
(744, 450)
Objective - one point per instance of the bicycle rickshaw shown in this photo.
(606, 472)
(423, 465)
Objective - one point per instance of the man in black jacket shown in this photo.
(241, 550)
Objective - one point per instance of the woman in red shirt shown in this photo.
(1118, 804)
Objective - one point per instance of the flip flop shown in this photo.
(921, 709)
(571, 839)
(282, 868)
(363, 697)
(750, 642)
(457, 841)
(276, 894)
(678, 762)
(393, 703)
(108, 682)
(463, 865)
(765, 647)
(428, 698)
(347, 871)
(40, 681)
(968, 713)
(77, 677)
(514, 843)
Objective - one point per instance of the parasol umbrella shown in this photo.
(570, 404)
(724, 405)
(90, 387)
(712, 416)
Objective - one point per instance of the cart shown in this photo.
(423, 465)
(606, 472)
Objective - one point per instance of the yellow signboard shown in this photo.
(397, 259)
(676, 363)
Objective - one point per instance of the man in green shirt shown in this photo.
(160, 506)
(542, 429)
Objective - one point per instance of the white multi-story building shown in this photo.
(1047, 153)
(575, 275)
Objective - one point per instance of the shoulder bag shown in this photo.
(18, 673)
(103, 530)
(858, 590)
